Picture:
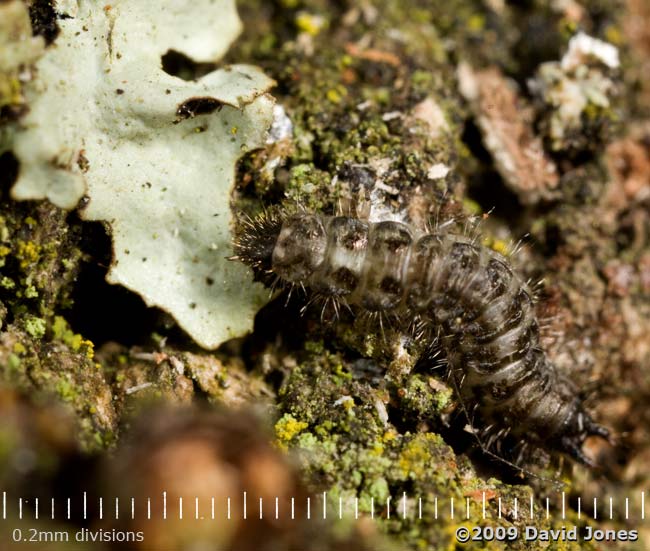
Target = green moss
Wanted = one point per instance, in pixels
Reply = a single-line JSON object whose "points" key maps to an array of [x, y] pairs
{"points": [[304, 186], [307, 441], [357, 456], [498, 245], [476, 23], [415, 458], [340, 376], [314, 347], [30, 291], [66, 390], [13, 362], [19, 348], [35, 327], [287, 428], [443, 399], [418, 399], [310, 23], [61, 331], [39, 257], [28, 253]]}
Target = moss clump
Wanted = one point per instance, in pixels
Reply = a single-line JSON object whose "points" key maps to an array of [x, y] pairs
{"points": [[61, 331], [304, 182], [359, 122], [415, 457], [66, 390], [35, 327], [422, 398], [287, 428], [13, 362], [40, 258], [310, 23], [350, 450]]}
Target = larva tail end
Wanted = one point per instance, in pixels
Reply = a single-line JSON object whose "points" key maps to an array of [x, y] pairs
{"points": [[255, 240]]}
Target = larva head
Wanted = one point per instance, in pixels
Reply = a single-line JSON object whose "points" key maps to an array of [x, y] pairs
{"points": [[577, 428], [300, 248]]}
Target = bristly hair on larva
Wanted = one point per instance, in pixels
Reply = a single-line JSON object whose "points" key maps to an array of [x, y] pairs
{"points": [[466, 294]]}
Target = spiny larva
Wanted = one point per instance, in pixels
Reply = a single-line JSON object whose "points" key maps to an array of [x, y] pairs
{"points": [[466, 293]]}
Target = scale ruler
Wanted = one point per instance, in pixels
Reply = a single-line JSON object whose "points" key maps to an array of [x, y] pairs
{"points": [[317, 506]]}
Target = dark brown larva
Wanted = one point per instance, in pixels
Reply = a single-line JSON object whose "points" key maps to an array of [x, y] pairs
{"points": [[467, 294]]}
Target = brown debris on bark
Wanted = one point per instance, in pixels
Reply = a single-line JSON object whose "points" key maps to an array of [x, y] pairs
{"points": [[506, 125]]}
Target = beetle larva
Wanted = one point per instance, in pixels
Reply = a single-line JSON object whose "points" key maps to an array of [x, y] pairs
{"points": [[462, 291]]}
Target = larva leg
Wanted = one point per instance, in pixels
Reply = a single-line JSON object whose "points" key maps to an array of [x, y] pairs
{"points": [[594, 429], [574, 450]]}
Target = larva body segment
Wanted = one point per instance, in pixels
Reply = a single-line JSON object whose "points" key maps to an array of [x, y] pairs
{"points": [[464, 292]]}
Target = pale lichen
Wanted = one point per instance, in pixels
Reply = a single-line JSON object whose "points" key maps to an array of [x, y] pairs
{"points": [[152, 154], [18, 50], [577, 94]]}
